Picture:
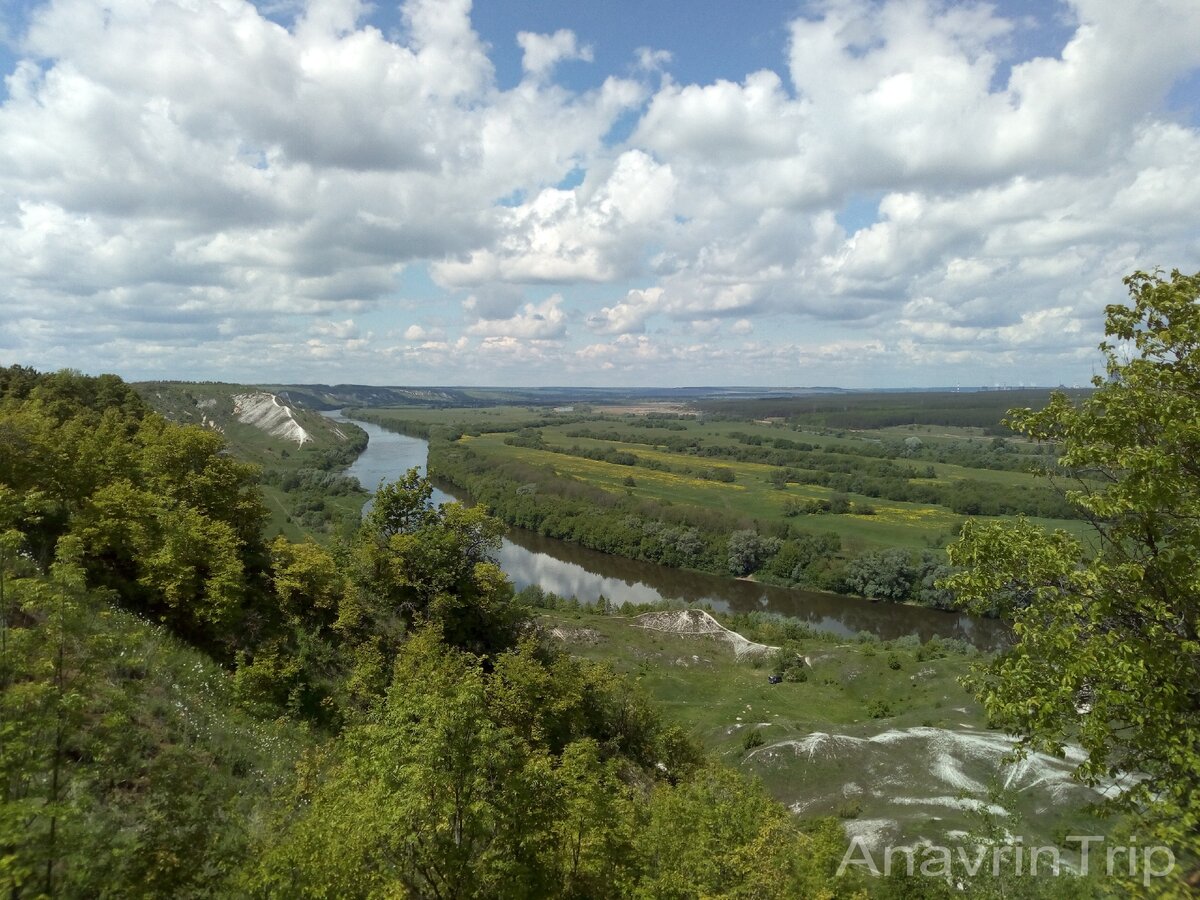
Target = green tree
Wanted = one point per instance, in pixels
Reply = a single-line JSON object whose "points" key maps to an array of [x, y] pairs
{"points": [[1107, 650], [48, 680], [416, 564], [402, 506], [747, 551], [720, 835], [596, 824], [883, 574], [439, 794]]}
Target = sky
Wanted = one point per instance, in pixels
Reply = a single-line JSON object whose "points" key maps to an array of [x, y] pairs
{"points": [[856, 193]]}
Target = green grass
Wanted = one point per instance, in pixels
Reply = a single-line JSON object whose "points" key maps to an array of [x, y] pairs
{"points": [[169, 780], [281, 520], [752, 496], [902, 738], [718, 436], [490, 418], [699, 684]]}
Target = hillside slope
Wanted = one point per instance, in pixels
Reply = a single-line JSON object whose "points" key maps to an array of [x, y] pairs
{"points": [[302, 453], [258, 424], [879, 734]]}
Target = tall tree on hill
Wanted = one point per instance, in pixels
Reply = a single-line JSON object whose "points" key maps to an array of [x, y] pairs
{"points": [[1107, 649]]}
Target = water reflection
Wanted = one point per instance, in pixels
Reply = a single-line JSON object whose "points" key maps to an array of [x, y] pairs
{"points": [[567, 579], [570, 570], [388, 456]]}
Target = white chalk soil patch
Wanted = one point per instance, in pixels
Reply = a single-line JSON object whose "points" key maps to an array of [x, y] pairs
{"points": [[266, 413], [873, 832], [698, 622], [589, 636], [911, 778]]}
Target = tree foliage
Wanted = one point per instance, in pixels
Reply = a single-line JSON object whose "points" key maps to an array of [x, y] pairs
{"points": [[450, 751], [1107, 649], [748, 551], [534, 779], [164, 517]]}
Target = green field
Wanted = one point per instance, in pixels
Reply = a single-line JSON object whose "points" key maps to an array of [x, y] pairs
{"points": [[752, 497], [670, 457]]}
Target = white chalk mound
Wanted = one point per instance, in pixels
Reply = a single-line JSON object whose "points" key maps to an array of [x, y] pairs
{"points": [[264, 411], [926, 784], [698, 622]]}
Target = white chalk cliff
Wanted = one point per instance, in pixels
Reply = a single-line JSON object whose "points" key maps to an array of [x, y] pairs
{"points": [[264, 411]]}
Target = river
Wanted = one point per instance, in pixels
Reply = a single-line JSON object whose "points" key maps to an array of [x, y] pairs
{"points": [[570, 570]]}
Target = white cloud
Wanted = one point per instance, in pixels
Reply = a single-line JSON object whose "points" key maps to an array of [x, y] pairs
{"points": [[542, 52], [995, 199], [651, 60], [598, 231], [629, 316], [191, 186], [343, 330], [540, 321], [494, 301], [425, 334], [209, 157]]}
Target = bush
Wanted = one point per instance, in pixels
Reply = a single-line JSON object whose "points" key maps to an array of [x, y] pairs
{"points": [[796, 674], [747, 551], [879, 709], [752, 739], [851, 809], [785, 658]]}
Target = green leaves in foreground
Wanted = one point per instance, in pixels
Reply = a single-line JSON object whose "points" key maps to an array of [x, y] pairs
{"points": [[1107, 650], [534, 779]]}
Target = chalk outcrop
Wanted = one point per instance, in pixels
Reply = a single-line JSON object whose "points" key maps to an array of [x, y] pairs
{"points": [[265, 412], [698, 622]]}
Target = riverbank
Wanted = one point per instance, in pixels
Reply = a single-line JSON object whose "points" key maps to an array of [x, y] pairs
{"points": [[571, 570], [878, 731]]}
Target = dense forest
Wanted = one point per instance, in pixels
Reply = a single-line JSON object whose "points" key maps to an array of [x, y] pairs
{"points": [[190, 710], [974, 408]]}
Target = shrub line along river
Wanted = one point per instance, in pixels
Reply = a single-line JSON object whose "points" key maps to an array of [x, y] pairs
{"points": [[571, 570]]}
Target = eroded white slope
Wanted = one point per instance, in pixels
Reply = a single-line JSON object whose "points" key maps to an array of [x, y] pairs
{"points": [[264, 411], [697, 621]]}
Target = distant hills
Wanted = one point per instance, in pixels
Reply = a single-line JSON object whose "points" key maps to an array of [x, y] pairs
{"points": [[323, 396], [307, 397]]}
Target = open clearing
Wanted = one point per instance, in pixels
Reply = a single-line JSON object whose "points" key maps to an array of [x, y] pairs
{"points": [[696, 623], [928, 769]]}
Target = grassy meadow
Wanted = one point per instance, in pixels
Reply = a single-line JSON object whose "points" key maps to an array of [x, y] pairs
{"points": [[674, 459], [879, 733]]}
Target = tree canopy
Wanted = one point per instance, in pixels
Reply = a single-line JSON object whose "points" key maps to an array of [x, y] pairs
{"points": [[1107, 647], [445, 748]]}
